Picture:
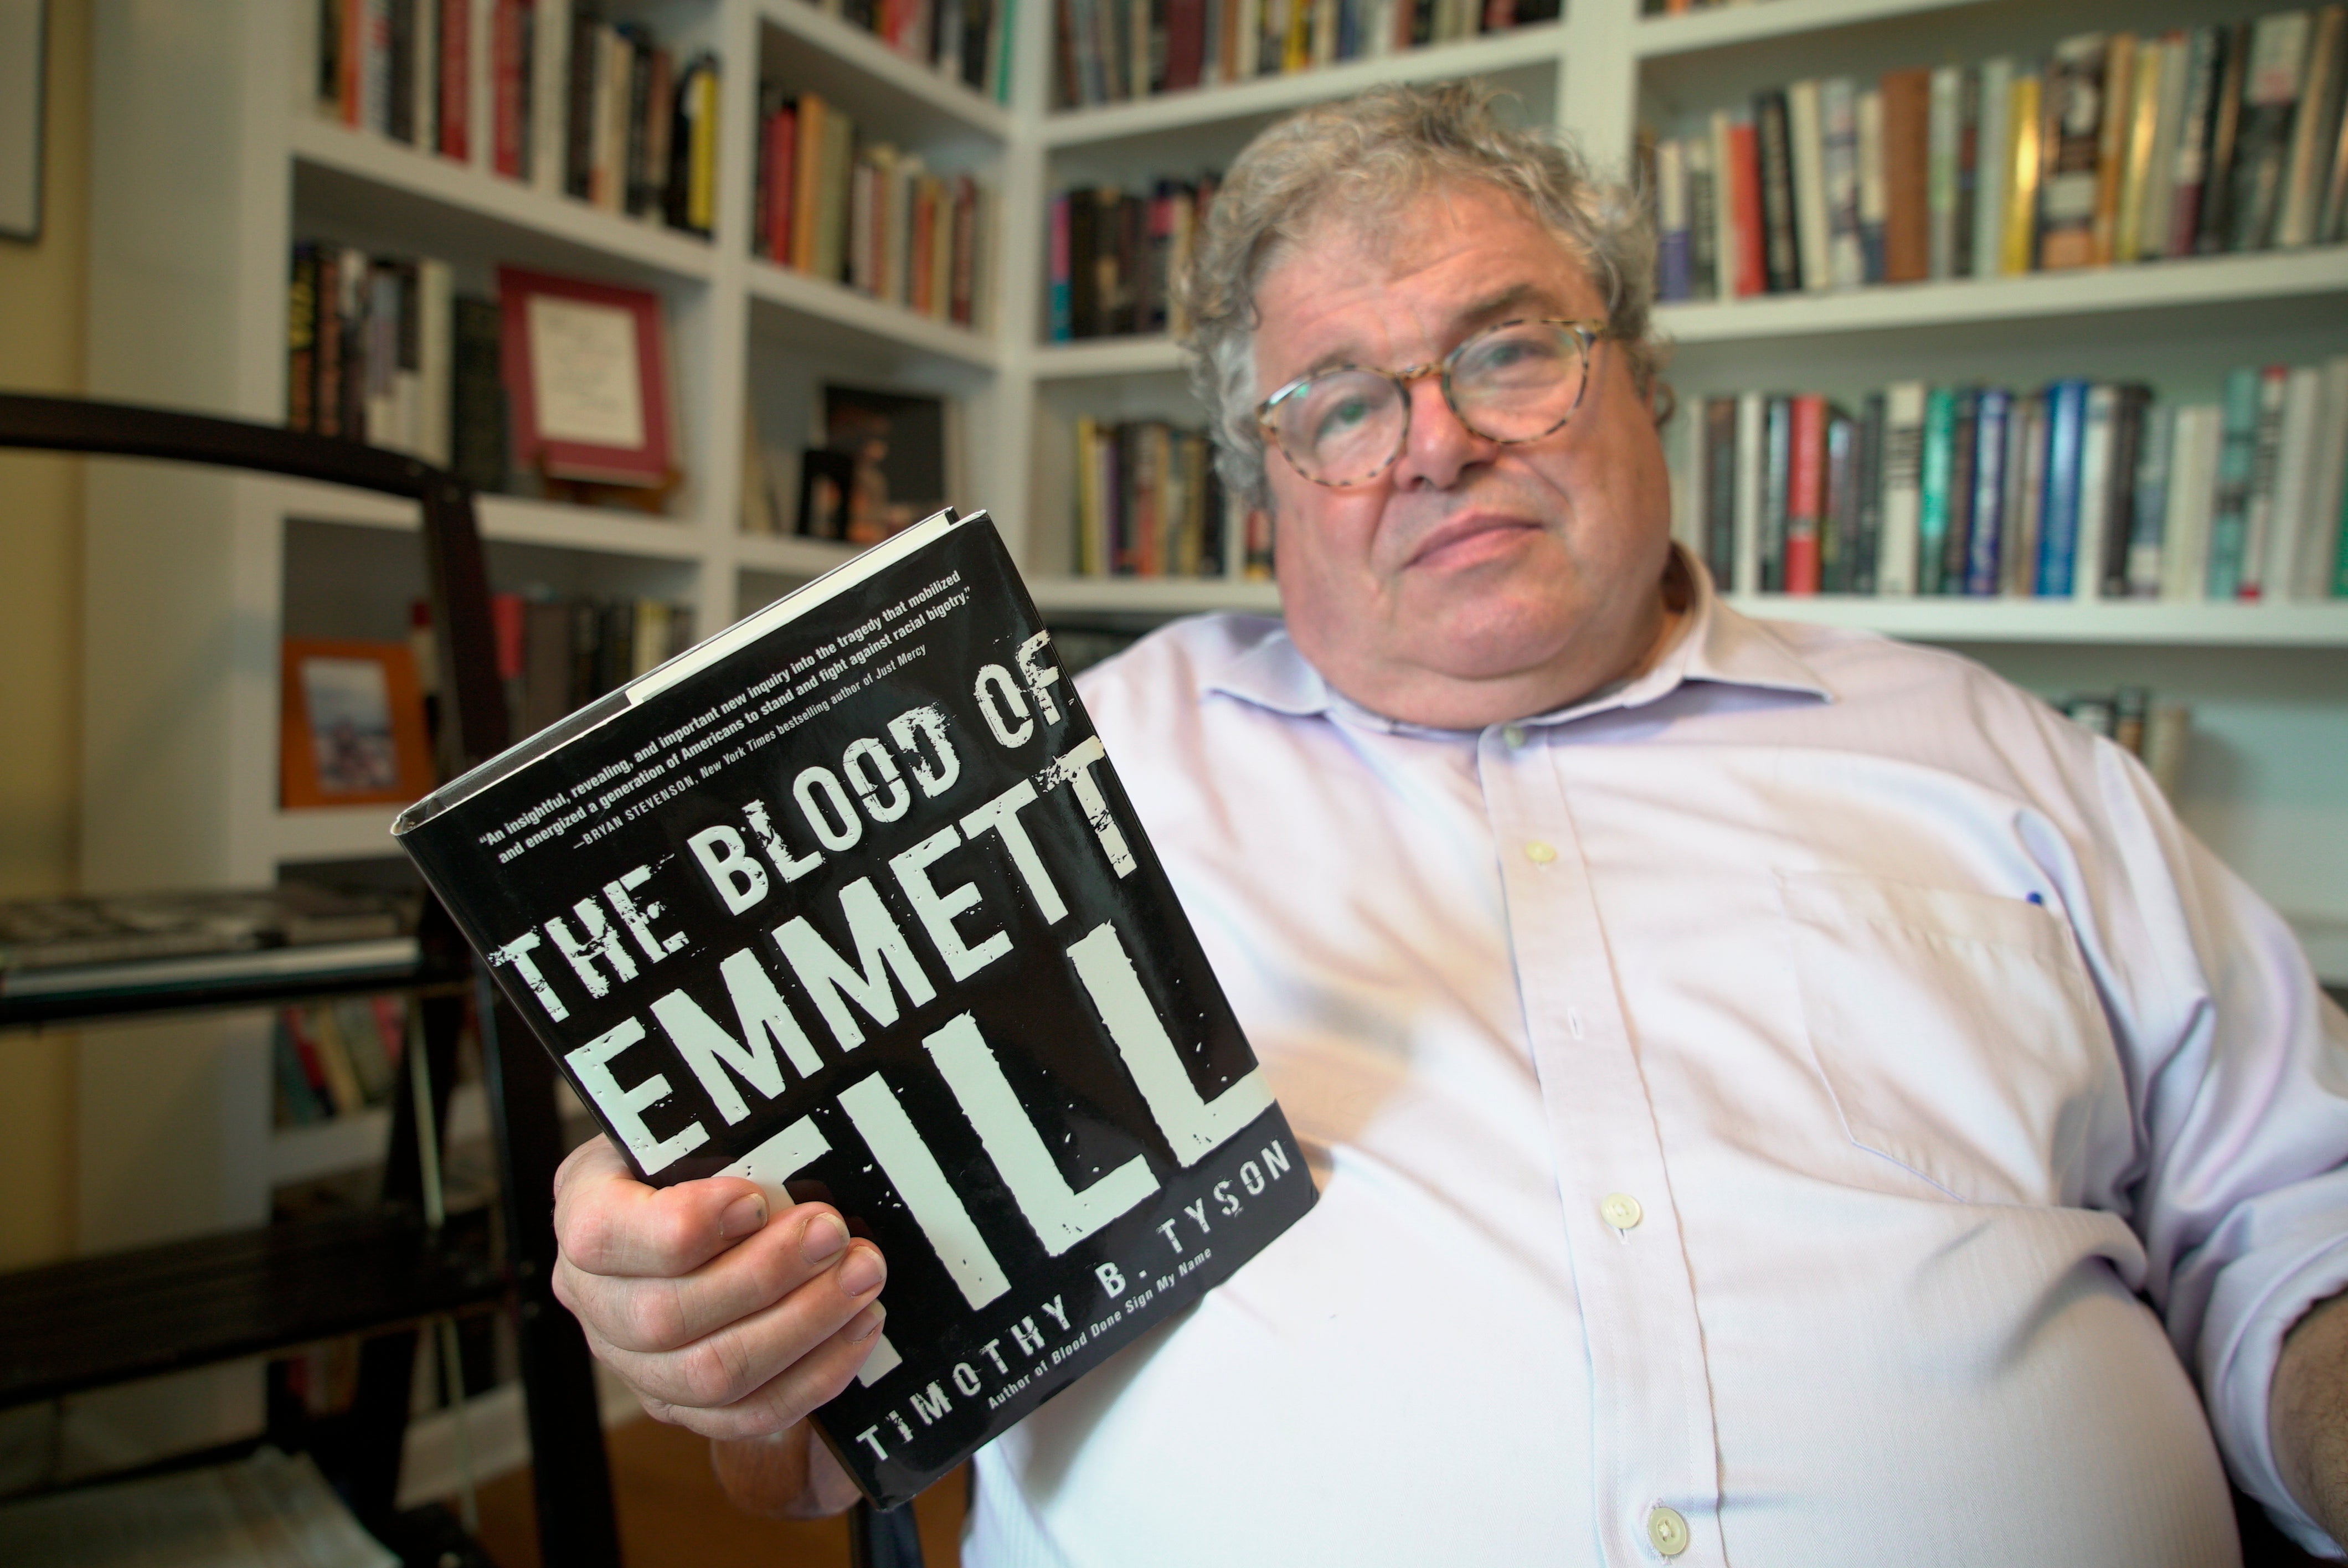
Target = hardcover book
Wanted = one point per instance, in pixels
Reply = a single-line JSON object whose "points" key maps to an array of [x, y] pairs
{"points": [[848, 901]]}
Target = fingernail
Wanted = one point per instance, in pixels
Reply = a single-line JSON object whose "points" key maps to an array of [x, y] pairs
{"points": [[867, 1322], [862, 1273], [742, 1216], [823, 1238]]}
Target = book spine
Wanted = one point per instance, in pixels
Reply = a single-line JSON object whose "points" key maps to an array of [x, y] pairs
{"points": [[1806, 486], [2095, 466], [1944, 126], [2331, 226], [1898, 548], [2155, 450], [2058, 511], [2202, 49], [1993, 166], [1873, 207], [1781, 248], [1752, 482], [1839, 114], [2294, 482], [1776, 475], [302, 341], [1907, 229], [1671, 223], [2112, 141], [1719, 469], [1867, 554], [2138, 133], [2214, 224], [2236, 465], [2025, 452], [1839, 526], [1986, 536], [1751, 246], [2128, 420], [2018, 249], [1060, 297], [1957, 540], [454, 86], [2199, 430], [1813, 223], [2330, 485], [2075, 111], [2316, 131], [2262, 140], [2160, 177], [1938, 473], [1704, 219], [2259, 514]]}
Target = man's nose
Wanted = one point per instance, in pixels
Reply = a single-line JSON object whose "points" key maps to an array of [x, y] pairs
{"points": [[1439, 447]]}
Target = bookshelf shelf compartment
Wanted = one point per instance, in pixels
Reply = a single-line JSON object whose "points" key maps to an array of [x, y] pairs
{"points": [[1148, 355], [871, 82], [810, 313], [504, 519], [790, 555], [2256, 281], [1533, 45], [354, 177]]}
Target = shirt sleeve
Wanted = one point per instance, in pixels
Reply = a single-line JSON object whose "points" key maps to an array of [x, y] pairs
{"points": [[2238, 1067]]}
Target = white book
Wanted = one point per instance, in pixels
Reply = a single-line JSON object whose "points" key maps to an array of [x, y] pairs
{"points": [[2294, 482], [1903, 489], [1991, 166], [2265, 471], [550, 93], [1839, 121], [1250, 40], [435, 349], [1944, 129], [2200, 431], [1874, 200], [2094, 490], [2160, 180], [2302, 190], [1723, 212], [1805, 131], [1752, 411], [2318, 552]]}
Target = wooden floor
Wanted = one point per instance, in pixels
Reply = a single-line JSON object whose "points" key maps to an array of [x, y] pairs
{"points": [[672, 1514]]}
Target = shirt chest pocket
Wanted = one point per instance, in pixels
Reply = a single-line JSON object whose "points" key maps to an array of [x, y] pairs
{"points": [[1957, 1032]]}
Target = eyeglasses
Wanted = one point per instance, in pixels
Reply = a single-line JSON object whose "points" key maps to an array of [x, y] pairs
{"points": [[1510, 384]]}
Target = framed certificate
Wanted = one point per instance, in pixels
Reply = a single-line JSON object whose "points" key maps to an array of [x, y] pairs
{"points": [[586, 376]]}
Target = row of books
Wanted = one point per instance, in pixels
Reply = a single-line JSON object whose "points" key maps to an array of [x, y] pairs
{"points": [[2079, 490], [865, 214], [556, 655], [967, 41], [1109, 51], [2116, 149], [1111, 257], [598, 110], [1150, 504], [2155, 733], [337, 1058], [379, 349]]}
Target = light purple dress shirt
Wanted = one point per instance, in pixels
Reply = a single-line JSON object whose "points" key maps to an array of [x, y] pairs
{"points": [[1753, 1108]]}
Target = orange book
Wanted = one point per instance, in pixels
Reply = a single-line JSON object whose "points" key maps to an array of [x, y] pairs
{"points": [[1906, 221], [2112, 142], [1806, 494], [807, 183]]}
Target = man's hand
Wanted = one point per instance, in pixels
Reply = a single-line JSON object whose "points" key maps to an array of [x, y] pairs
{"points": [[725, 1319], [2307, 1414]]}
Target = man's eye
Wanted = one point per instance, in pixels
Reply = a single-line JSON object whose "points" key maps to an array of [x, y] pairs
{"points": [[1340, 419]]}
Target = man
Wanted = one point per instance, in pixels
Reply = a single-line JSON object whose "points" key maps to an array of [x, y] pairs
{"points": [[1750, 1070]]}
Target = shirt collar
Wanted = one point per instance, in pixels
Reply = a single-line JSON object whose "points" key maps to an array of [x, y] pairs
{"points": [[1716, 644]]}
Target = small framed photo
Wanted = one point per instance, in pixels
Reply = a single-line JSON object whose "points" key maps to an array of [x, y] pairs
{"points": [[351, 718], [586, 378]]}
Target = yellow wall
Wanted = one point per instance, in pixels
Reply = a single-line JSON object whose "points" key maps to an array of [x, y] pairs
{"points": [[41, 300]]}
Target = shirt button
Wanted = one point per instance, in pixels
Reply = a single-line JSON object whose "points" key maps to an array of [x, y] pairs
{"points": [[1539, 853], [1667, 1529], [1621, 1211], [1514, 734]]}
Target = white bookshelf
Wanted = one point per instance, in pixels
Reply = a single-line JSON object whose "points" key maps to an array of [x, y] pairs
{"points": [[209, 160]]}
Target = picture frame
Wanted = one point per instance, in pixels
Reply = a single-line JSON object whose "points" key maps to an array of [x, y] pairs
{"points": [[352, 728], [585, 367]]}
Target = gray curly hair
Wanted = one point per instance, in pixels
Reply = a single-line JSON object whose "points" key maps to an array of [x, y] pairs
{"points": [[1366, 155]]}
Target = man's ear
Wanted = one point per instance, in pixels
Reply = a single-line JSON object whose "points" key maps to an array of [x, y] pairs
{"points": [[1663, 402]]}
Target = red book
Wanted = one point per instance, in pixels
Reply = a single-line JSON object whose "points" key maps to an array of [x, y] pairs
{"points": [[1744, 177], [506, 25], [1186, 43], [782, 168], [352, 65], [1806, 494], [455, 78], [508, 623]]}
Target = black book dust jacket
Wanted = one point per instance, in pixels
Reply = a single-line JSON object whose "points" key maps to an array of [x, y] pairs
{"points": [[849, 900]]}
